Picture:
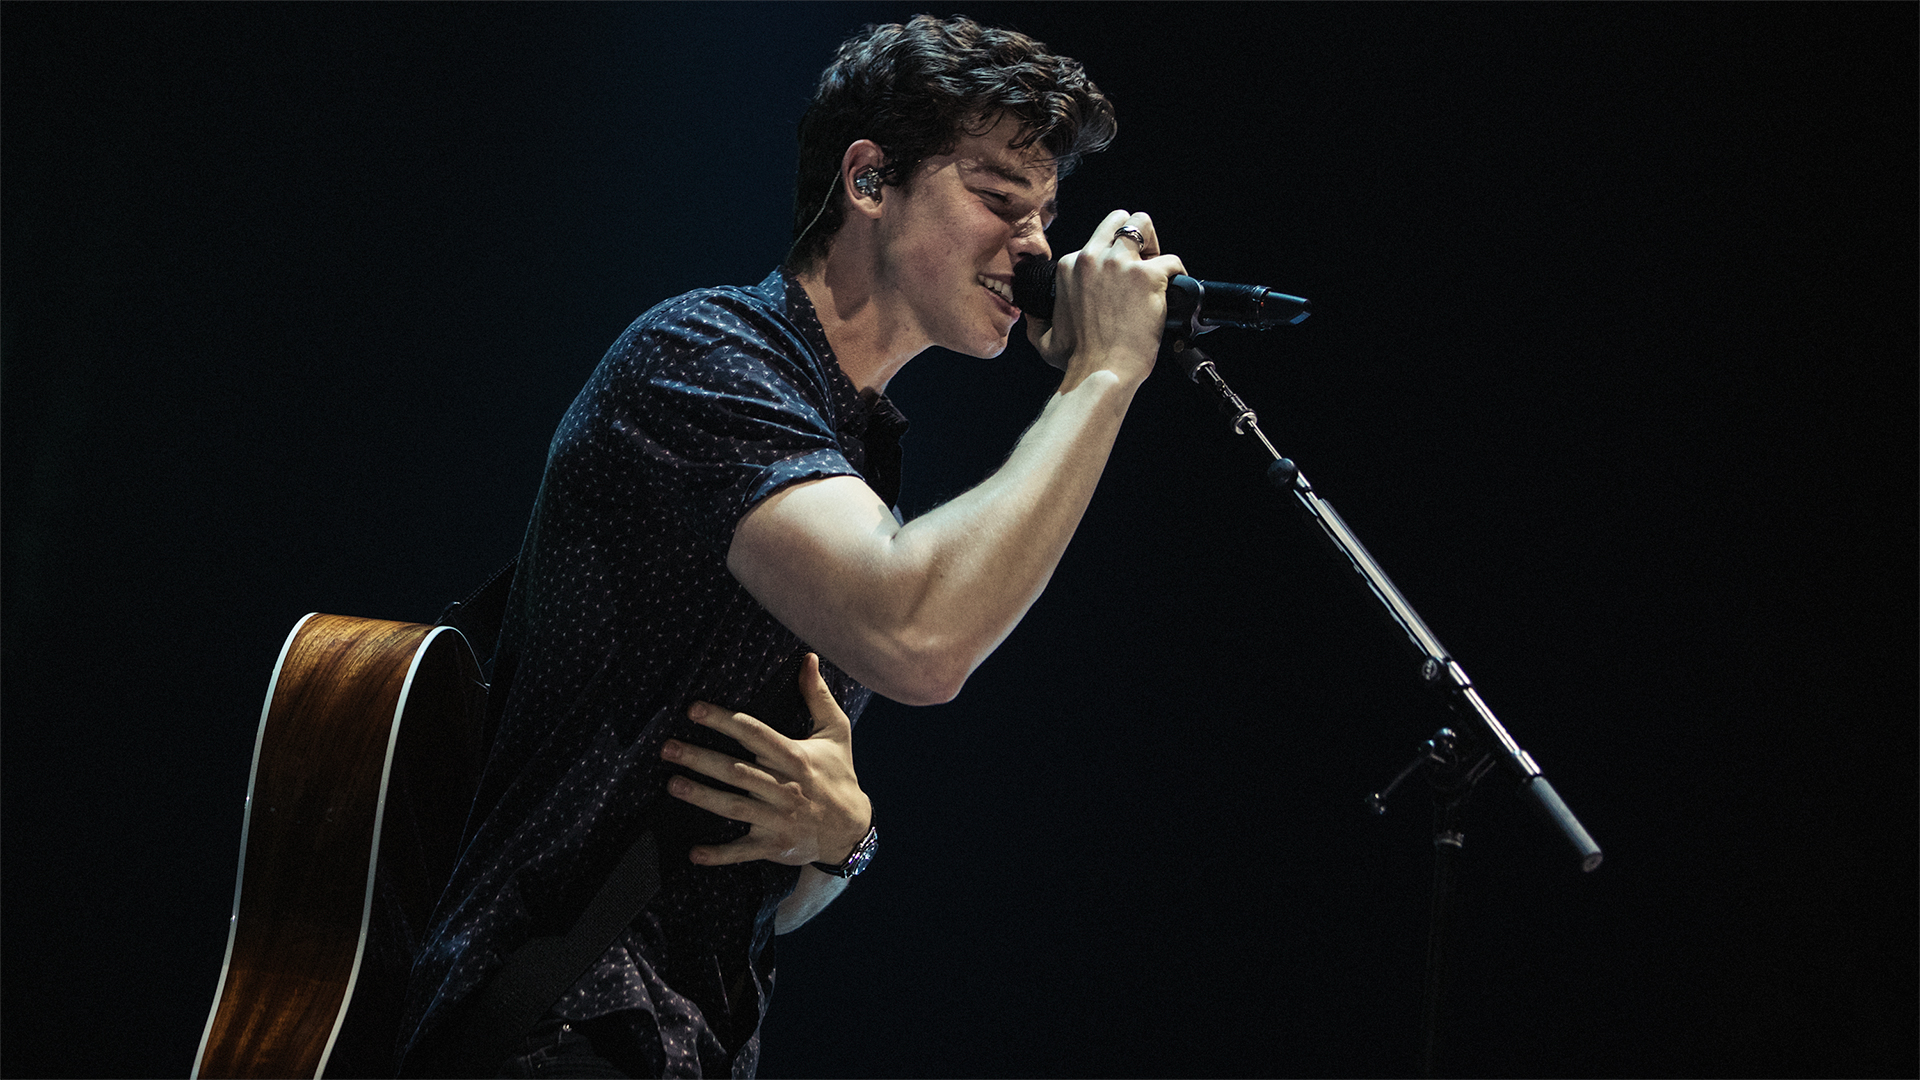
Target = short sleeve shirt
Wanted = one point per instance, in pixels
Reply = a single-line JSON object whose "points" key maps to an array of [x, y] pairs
{"points": [[621, 614]]}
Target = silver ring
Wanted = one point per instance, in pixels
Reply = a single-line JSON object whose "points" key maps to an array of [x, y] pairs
{"points": [[1130, 233]]}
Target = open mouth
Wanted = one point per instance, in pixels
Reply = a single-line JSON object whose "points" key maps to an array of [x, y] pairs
{"points": [[1001, 289]]}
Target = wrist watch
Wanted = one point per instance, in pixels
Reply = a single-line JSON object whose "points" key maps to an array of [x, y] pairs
{"points": [[856, 860]]}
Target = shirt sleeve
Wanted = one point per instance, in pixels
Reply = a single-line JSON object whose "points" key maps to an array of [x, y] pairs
{"points": [[725, 405]]}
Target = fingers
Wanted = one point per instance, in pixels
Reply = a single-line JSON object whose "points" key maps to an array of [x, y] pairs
{"points": [[769, 747], [1121, 238], [746, 849], [1108, 230], [781, 824], [1037, 334], [1112, 300], [1126, 233], [722, 767], [799, 798], [829, 719], [775, 754], [763, 800], [1137, 233]]}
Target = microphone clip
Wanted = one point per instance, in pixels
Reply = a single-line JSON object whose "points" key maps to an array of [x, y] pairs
{"points": [[1186, 297]]}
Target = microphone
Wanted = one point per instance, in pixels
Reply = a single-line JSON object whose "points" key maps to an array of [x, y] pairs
{"points": [[1193, 306]]}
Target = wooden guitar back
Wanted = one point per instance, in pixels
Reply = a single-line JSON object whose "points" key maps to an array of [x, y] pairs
{"points": [[364, 767]]}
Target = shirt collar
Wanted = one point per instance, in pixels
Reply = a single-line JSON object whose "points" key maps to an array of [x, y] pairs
{"points": [[868, 416], [870, 420]]}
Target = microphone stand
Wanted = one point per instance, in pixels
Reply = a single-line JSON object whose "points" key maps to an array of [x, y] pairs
{"points": [[1454, 764]]}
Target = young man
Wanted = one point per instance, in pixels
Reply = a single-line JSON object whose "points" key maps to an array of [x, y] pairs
{"points": [[717, 509]]}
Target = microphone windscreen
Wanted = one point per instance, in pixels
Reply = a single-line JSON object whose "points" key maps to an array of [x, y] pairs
{"points": [[1033, 287]]}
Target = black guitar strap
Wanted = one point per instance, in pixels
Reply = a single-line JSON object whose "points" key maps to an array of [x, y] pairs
{"points": [[492, 1025], [478, 616]]}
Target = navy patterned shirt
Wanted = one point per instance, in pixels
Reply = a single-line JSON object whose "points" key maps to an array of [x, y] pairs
{"points": [[621, 614]]}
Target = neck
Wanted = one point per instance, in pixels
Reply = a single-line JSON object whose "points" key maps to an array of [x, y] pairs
{"points": [[870, 341]]}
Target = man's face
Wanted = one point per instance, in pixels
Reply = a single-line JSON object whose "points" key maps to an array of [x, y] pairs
{"points": [[949, 242]]}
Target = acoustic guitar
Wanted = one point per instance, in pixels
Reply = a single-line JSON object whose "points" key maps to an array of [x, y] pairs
{"points": [[364, 766]]}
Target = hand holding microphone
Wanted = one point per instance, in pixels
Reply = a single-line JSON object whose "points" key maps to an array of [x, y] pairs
{"points": [[1114, 294]]}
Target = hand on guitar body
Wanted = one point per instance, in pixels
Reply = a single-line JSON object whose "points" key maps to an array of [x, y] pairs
{"points": [[802, 801]]}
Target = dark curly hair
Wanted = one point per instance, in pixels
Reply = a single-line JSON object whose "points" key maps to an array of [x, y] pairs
{"points": [[915, 89]]}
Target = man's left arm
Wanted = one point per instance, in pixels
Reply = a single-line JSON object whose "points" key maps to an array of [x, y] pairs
{"points": [[809, 898], [800, 797]]}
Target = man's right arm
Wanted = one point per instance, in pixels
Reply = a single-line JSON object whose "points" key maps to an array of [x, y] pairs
{"points": [[911, 610]]}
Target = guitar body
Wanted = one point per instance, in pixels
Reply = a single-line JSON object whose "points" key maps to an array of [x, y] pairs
{"points": [[363, 770]]}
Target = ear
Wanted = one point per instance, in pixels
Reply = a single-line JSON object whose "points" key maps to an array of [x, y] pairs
{"points": [[862, 155]]}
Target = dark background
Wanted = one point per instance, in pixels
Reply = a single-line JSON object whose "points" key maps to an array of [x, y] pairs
{"points": [[1612, 366]]}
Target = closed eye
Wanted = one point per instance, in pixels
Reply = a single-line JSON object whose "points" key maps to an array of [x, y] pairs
{"points": [[1013, 212]]}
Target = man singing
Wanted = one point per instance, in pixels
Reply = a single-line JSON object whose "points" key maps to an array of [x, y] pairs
{"points": [[717, 511]]}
